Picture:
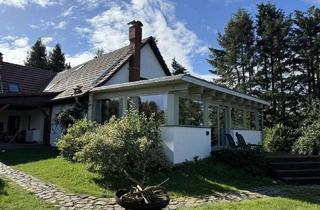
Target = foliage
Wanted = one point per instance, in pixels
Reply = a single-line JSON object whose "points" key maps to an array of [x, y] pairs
{"points": [[309, 142], [129, 146], [275, 57], [57, 59], [234, 63], [70, 115], [178, 68], [72, 142], [252, 161], [99, 52], [37, 56], [279, 138]]}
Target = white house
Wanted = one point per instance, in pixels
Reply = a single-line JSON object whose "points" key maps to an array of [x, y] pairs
{"points": [[196, 114]]}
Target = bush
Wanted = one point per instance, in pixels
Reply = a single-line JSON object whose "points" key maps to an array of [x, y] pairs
{"points": [[130, 146], [252, 161], [73, 141], [309, 142], [279, 138]]}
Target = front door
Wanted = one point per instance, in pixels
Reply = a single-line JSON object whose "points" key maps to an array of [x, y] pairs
{"points": [[13, 124]]}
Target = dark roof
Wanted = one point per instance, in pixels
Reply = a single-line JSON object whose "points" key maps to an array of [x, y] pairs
{"points": [[29, 79], [96, 71]]}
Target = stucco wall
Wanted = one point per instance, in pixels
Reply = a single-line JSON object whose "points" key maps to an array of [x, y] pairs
{"points": [[150, 68], [184, 143], [29, 120], [250, 136], [56, 129]]}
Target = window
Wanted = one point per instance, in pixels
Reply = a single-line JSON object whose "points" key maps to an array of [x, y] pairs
{"points": [[151, 104], [190, 112], [111, 107], [13, 88]]}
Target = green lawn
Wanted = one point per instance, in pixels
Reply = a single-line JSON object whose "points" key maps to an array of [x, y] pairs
{"points": [[12, 197], [203, 177], [277, 203]]}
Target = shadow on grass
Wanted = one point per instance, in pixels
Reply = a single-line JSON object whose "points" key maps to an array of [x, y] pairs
{"points": [[20, 156], [2, 186], [198, 178]]}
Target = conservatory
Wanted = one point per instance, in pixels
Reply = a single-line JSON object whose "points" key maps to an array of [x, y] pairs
{"points": [[195, 114]]}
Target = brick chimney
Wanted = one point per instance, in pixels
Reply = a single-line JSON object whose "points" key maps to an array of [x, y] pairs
{"points": [[135, 37]]}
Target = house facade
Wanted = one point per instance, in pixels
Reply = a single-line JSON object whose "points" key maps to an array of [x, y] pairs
{"points": [[195, 114]]}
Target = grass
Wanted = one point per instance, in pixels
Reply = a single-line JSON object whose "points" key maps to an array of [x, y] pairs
{"points": [[12, 197], [276, 203], [203, 177]]}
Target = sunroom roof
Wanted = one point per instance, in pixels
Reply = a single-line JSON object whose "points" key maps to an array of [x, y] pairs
{"points": [[177, 79]]}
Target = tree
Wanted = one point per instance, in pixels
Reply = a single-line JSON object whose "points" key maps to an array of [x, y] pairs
{"points": [[234, 62], [57, 59], [99, 52], [178, 68], [273, 58], [37, 56]]}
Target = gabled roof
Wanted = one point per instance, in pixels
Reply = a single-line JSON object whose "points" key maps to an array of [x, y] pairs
{"points": [[97, 71], [30, 80]]}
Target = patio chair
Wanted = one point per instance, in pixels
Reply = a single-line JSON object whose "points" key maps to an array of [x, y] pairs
{"points": [[12, 138], [231, 142], [242, 143]]}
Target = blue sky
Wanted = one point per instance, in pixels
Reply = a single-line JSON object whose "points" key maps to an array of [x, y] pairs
{"points": [[184, 28]]}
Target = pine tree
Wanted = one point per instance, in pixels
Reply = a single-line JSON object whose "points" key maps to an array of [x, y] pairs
{"points": [[178, 68], [234, 62], [37, 56], [273, 57], [57, 59]]}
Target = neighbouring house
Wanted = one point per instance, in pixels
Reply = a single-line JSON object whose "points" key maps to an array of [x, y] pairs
{"points": [[196, 114]]}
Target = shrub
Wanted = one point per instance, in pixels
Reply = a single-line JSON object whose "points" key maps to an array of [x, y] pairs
{"points": [[69, 116], [130, 146], [279, 138], [309, 142], [252, 161], [73, 141]]}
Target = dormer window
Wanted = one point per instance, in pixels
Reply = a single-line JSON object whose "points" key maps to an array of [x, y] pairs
{"points": [[13, 88]]}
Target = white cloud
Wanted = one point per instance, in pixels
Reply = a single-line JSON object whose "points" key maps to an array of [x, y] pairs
{"points": [[109, 29], [46, 40], [68, 12], [14, 48], [22, 3], [46, 24], [60, 25], [79, 58]]}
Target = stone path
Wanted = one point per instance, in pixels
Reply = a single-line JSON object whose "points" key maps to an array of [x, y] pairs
{"points": [[63, 200]]}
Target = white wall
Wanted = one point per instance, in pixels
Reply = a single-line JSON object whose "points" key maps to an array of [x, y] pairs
{"points": [[150, 68], [36, 122], [121, 76], [184, 143], [250, 136], [56, 129]]}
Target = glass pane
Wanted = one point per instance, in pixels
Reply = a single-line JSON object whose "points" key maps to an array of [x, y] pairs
{"points": [[222, 125], [154, 104], [111, 107], [213, 123], [190, 112], [13, 88]]}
